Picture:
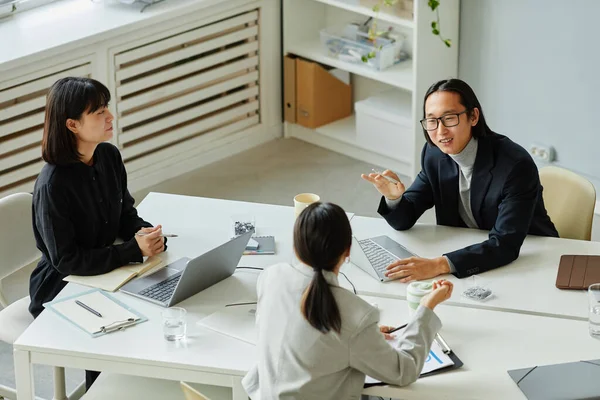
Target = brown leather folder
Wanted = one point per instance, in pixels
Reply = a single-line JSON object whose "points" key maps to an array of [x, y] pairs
{"points": [[578, 271]]}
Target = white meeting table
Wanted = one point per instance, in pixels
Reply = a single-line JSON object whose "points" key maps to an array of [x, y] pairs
{"points": [[211, 358], [527, 285]]}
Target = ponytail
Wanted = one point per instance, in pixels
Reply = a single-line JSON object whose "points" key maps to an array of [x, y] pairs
{"points": [[319, 306], [322, 235]]}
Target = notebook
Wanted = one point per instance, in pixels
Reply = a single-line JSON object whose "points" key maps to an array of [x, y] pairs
{"points": [[113, 280], [238, 322], [578, 271], [115, 315], [568, 381], [266, 245]]}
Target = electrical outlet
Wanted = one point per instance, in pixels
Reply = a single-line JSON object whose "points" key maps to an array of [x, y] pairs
{"points": [[542, 152]]}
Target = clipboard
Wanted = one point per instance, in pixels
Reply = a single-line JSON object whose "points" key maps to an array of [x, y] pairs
{"points": [[457, 364], [116, 315]]}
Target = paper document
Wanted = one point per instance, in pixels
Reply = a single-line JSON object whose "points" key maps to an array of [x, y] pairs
{"points": [[116, 278], [113, 313], [238, 322], [436, 359]]}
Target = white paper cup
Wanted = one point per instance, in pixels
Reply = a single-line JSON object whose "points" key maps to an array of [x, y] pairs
{"points": [[303, 200], [415, 292]]}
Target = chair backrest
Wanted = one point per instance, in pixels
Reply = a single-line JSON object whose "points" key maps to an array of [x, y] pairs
{"points": [[570, 200], [17, 243], [190, 393]]}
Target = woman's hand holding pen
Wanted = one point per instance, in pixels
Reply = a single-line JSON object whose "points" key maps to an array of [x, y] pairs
{"points": [[152, 242], [387, 183], [442, 291]]}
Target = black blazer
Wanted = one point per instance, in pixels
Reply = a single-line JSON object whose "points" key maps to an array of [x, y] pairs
{"points": [[506, 199]]}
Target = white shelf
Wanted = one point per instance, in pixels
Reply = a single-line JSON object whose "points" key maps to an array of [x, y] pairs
{"points": [[340, 136], [399, 75], [392, 19]]}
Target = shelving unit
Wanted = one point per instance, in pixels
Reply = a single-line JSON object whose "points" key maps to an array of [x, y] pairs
{"points": [[430, 61]]}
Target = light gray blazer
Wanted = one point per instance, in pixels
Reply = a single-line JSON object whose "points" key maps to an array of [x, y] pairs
{"points": [[296, 361]]}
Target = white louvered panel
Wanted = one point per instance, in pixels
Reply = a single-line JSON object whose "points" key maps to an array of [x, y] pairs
{"points": [[22, 124], [29, 171], [22, 103], [193, 97], [187, 52], [177, 40], [21, 141], [190, 88], [202, 140], [186, 69], [20, 158], [195, 128], [22, 108], [187, 115], [26, 187], [183, 85], [42, 84]]}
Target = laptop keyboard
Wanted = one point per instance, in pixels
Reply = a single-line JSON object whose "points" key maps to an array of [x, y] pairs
{"points": [[379, 257], [162, 291]]}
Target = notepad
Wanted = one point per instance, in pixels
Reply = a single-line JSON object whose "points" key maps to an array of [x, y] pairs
{"points": [[113, 280], [266, 245], [115, 315]]}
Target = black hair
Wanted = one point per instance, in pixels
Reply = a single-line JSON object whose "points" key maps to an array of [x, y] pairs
{"points": [[322, 235], [69, 98], [467, 99]]}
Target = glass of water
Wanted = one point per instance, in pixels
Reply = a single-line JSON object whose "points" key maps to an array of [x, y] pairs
{"points": [[174, 323], [594, 299]]}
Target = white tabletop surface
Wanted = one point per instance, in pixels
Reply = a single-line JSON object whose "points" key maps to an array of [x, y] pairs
{"points": [[526, 285], [488, 342]]}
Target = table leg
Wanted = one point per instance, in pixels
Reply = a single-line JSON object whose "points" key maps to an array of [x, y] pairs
{"points": [[60, 386], [24, 375], [238, 392]]}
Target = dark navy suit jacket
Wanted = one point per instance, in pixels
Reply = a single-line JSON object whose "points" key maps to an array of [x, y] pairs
{"points": [[506, 199]]}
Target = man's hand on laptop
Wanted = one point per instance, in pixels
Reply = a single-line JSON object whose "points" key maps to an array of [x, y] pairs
{"points": [[417, 268]]}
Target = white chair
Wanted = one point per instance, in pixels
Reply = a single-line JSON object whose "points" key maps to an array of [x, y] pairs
{"points": [[17, 246], [570, 200], [126, 387]]}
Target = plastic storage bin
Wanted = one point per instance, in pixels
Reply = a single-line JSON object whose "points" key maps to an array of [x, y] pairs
{"points": [[384, 125], [350, 45]]}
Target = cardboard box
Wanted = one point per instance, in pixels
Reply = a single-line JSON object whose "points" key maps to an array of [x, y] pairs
{"points": [[321, 98], [289, 88]]}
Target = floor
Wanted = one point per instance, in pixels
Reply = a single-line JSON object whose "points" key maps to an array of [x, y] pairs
{"points": [[273, 173]]}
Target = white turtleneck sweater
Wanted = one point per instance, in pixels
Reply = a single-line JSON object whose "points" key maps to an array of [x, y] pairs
{"points": [[466, 161]]}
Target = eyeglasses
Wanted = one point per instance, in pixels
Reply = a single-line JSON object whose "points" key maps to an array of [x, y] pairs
{"points": [[448, 120]]}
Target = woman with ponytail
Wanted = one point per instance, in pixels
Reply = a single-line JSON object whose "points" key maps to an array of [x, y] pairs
{"points": [[317, 340]]}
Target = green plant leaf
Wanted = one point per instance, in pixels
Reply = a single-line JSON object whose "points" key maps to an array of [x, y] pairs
{"points": [[372, 54], [364, 59], [433, 25], [448, 42], [433, 4], [435, 31], [376, 8]]}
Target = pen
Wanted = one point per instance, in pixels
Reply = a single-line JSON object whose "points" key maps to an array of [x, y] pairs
{"points": [[386, 177], [90, 309], [240, 304], [445, 348], [398, 328], [163, 235]]}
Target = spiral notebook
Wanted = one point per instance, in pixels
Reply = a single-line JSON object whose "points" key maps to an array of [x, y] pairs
{"points": [[266, 245]]}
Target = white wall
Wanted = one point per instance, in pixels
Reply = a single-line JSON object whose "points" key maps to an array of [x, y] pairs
{"points": [[535, 66]]}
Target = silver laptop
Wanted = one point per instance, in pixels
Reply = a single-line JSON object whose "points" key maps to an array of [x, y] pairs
{"points": [[184, 277], [373, 255]]}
